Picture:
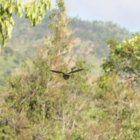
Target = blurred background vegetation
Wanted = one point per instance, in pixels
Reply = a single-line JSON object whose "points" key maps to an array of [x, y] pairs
{"points": [[99, 103]]}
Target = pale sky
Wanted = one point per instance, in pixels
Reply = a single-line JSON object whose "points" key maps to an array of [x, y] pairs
{"points": [[125, 13]]}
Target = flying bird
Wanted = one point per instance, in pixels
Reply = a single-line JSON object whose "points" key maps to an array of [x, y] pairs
{"points": [[66, 75]]}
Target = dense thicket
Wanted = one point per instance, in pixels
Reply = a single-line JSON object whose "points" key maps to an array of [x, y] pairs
{"points": [[40, 105], [36, 104], [118, 91]]}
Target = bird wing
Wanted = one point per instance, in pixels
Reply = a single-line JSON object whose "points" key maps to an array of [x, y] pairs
{"points": [[56, 71], [75, 71]]}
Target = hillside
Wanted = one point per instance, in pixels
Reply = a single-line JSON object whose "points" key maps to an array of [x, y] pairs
{"points": [[90, 41], [98, 33]]}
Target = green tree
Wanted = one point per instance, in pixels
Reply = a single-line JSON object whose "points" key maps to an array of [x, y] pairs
{"points": [[124, 60], [33, 10], [43, 105], [118, 92]]}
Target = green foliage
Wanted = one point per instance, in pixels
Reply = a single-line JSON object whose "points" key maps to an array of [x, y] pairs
{"points": [[38, 104], [119, 107], [42, 105], [34, 11], [117, 94], [124, 59]]}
